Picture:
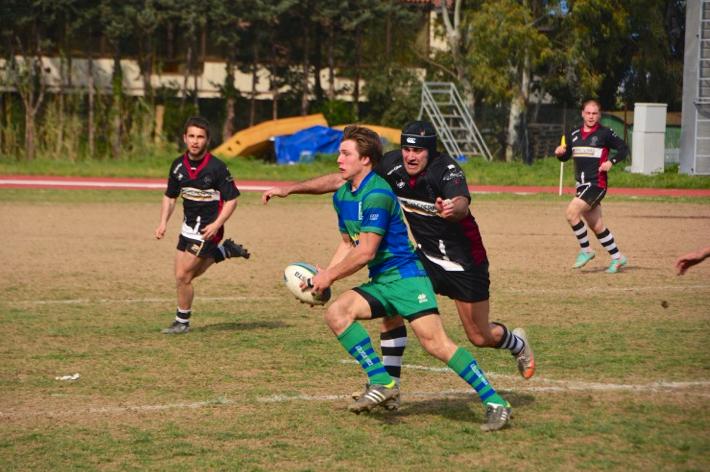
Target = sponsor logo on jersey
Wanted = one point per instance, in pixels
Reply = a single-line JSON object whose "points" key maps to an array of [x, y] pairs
{"points": [[453, 175], [422, 298], [587, 151], [199, 195], [417, 206], [401, 184], [207, 180], [397, 167], [374, 217]]}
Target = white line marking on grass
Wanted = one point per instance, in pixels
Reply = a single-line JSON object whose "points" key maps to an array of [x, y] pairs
{"points": [[89, 301], [560, 386], [119, 409]]}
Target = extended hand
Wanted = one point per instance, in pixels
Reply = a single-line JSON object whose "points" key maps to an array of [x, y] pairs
{"points": [[273, 192], [605, 166], [159, 232], [445, 208], [209, 231]]}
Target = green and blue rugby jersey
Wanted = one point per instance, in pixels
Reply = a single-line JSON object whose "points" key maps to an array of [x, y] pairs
{"points": [[373, 208]]}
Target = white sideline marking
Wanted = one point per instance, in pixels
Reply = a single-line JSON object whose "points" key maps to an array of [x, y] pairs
{"points": [[88, 301], [536, 385]]}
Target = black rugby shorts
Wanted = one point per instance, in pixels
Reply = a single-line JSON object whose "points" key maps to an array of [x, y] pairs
{"points": [[591, 194], [470, 285]]}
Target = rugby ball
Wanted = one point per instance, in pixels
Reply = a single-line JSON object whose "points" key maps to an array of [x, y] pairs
{"points": [[300, 272]]}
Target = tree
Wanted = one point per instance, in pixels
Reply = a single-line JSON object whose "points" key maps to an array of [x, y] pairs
{"points": [[507, 46], [117, 27], [26, 41], [229, 23]]}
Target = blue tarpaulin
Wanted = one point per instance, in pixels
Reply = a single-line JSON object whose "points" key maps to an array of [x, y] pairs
{"points": [[305, 144]]}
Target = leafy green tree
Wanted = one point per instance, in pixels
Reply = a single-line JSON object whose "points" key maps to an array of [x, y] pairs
{"points": [[26, 38], [507, 47]]}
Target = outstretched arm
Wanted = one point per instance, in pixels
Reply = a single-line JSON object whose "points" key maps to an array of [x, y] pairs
{"points": [[315, 186], [683, 263]]}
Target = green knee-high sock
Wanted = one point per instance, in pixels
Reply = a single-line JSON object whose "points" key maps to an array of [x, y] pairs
{"points": [[357, 342], [463, 363]]}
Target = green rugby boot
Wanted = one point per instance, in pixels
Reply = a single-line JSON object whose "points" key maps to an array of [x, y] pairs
{"points": [[582, 259], [617, 264]]}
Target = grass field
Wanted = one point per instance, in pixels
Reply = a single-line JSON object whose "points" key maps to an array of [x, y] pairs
{"points": [[261, 384]]}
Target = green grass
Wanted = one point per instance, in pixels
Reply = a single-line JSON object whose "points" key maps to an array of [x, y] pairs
{"points": [[84, 288], [544, 172]]}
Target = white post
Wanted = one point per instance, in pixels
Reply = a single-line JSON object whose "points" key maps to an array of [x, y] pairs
{"points": [[562, 170]]}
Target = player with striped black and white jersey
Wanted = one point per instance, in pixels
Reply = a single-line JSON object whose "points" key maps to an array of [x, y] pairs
{"points": [[209, 197], [590, 146], [432, 190]]}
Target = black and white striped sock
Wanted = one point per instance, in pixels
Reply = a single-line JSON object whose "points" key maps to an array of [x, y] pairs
{"points": [[580, 230], [510, 341], [393, 343], [607, 240], [183, 316]]}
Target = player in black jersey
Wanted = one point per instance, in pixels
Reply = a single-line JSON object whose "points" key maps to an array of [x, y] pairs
{"points": [[209, 199], [589, 146], [434, 195]]}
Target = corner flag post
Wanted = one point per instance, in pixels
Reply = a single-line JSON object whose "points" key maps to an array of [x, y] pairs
{"points": [[562, 165]]}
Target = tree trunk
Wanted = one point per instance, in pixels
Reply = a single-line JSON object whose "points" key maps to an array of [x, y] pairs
{"points": [[274, 98], [516, 121], [60, 119], [254, 82], [29, 134], [317, 66], [186, 76], [196, 94], [331, 62], [228, 128], [306, 71], [159, 120], [117, 105], [356, 87], [453, 38], [274, 84], [90, 124]]}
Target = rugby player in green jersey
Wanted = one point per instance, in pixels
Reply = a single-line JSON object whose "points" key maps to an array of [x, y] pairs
{"points": [[374, 234]]}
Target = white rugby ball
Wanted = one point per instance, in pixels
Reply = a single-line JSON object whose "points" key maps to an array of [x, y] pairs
{"points": [[300, 272]]}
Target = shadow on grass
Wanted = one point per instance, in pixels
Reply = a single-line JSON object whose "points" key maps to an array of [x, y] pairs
{"points": [[462, 407], [241, 326]]}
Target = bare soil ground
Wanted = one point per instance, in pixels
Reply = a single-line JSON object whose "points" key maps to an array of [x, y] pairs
{"points": [[85, 288]]}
